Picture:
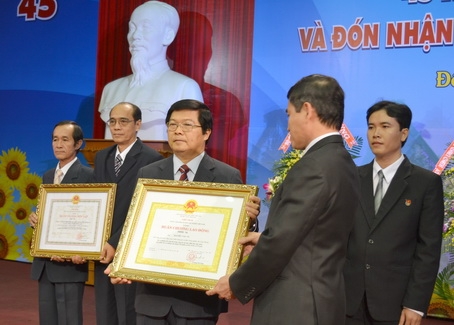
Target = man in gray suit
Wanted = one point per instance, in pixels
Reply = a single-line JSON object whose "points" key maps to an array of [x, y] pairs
{"points": [[294, 272], [394, 248], [119, 164], [62, 282], [189, 124]]}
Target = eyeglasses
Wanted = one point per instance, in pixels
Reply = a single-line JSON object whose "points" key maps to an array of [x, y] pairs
{"points": [[121, 121], [185, 127]]}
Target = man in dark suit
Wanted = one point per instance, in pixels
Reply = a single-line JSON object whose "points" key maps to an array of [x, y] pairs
{"points": [[119, 164], [62, 282], [189, 124], [294, 272], [394, 247]]}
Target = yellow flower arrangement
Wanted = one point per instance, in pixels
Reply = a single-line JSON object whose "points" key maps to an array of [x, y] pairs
{"points": [[6, 195], [280, 169], [13, 164], [29, 186], [8, 240], [20, 212], [19, 191], [448, 227]]}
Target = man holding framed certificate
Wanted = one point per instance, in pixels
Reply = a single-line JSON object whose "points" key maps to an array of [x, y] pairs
{"points": [[62, 281], [189, 124], [119, 164]]}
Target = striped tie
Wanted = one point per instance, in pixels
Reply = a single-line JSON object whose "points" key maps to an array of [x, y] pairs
{"points": [[118, 162], [58, 176], [184, 172]]}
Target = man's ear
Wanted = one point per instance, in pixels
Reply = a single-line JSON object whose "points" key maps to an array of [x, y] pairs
{"points": [[404, 134], [79, 144], [309, 109], [169, 36]]}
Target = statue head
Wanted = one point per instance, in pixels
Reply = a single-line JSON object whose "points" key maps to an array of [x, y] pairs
{"points": [[152, 28]]}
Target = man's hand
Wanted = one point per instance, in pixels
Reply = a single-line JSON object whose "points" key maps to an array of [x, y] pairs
{"points": [[55, 258], [253, 207], [249, 242], [107, 254], [222, 289], [33, 219], [76, 259], [116, 280], [409, 317]]}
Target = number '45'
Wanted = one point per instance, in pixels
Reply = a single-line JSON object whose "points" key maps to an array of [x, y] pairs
{"points": [[37, 9]]}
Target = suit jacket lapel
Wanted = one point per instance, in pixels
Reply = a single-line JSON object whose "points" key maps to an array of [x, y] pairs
{"points": [[72, 173], [205, 171], [394, 192], [367, 192], [129, 162], [166, 167]]}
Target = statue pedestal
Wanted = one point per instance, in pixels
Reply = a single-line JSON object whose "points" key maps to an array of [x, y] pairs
{"points": [[92, 146]]}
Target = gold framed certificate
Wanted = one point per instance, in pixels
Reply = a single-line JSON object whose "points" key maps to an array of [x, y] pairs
{"points": [[73, 219], [183, 234]]}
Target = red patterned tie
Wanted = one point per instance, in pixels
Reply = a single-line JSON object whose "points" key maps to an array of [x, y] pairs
{"points": [[184, 172]]}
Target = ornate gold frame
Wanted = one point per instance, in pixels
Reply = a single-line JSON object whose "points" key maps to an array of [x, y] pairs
{"points": [[73, 219], [183, 234]]}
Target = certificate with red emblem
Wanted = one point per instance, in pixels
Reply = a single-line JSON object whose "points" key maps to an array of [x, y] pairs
{"points": [[183, 233], [73, 219]]}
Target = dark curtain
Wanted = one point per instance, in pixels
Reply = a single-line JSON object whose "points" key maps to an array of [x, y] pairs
{"points": [[213, 46]]}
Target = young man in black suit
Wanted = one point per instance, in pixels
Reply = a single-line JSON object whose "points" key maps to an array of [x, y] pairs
{"points": [[62, 282], [119, 164], [394, 248]]}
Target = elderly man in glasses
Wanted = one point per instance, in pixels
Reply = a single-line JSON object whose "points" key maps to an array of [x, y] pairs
{"points": [[119, 164]]}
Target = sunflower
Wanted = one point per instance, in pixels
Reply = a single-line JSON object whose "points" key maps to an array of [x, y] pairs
{"points": [[8, 240], [29, 187], [13, 164], [6, 195], [20, 212], [26, 244]]}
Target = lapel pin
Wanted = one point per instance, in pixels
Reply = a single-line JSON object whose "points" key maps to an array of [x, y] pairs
{"points": [[407, 202]]}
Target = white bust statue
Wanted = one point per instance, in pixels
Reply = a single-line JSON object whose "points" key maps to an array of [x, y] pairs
{"points": [[153, 86]]}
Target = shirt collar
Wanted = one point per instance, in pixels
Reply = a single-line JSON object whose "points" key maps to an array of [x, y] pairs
{"points": [[66, 167], [390, 171], [193, 166], [317, 139], [124, 152]]}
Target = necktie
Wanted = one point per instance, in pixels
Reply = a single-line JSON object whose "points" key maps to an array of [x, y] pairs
{"points": [[58, 176], [118, 162], [184, 172], [378, 191]]}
